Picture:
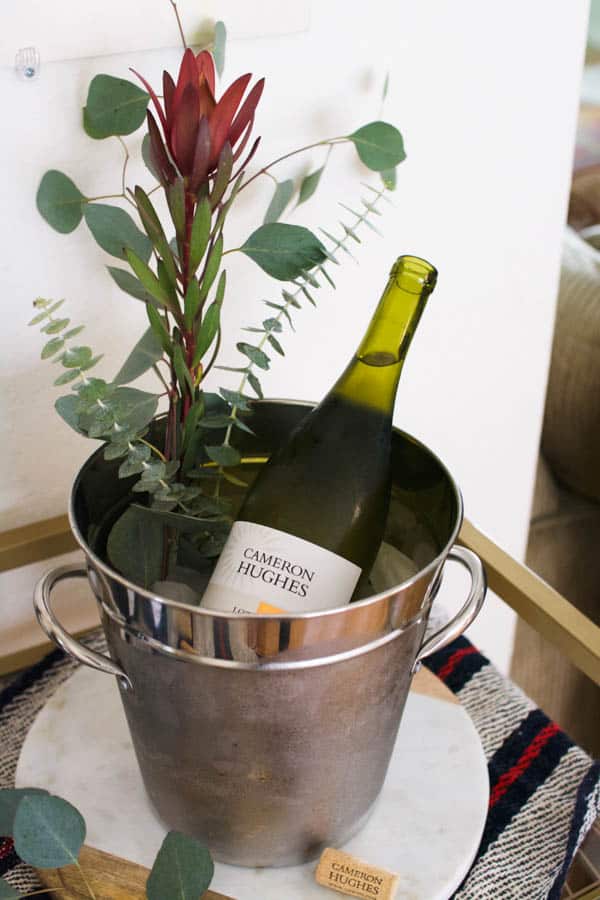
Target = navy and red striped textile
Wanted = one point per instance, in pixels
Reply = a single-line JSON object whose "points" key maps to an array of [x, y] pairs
{"points": [[528, 756], [544, 790]]}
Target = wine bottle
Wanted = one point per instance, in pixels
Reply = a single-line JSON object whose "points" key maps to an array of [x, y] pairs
{"points": [[313, 521]]}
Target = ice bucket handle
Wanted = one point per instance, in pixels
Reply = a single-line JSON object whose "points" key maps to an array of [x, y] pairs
{"points": [[56, 633], [468, 611]]}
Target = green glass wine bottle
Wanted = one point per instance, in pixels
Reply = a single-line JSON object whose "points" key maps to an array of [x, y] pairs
{"points": [[313, 521]]}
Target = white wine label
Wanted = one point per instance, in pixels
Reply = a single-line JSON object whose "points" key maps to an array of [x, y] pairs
{"points": [[348, 875], [261, 568]]}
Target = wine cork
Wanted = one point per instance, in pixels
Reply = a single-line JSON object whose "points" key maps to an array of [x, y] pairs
{"points": [[355, 878]]}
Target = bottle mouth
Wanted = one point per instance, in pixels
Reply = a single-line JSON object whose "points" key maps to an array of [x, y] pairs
{"points": [[414, 274]]}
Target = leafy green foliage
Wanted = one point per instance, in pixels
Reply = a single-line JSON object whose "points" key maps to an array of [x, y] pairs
{"points": [[60, 202], [114, 230], [389, 178], [254, 354], [279, 201], [149, 281], [379, 145], [219, 46], [130, 284], [114, 107], [135, 546], [200, 235], [48, 832], [284, 251], [183, 869], [224, 455], [309, 185], [144, 355], [9, 802]]}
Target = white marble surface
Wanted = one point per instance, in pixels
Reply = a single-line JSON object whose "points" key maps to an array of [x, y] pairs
{"points": [[426, 826]]}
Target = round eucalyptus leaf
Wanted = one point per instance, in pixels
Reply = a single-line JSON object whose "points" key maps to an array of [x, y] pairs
{"points": [[284, 251], [223, 455], [182, 870], [9, 801], [254, 354], [114, 229], [60, 202], [379, 145], [114, 106], [48, 832]]}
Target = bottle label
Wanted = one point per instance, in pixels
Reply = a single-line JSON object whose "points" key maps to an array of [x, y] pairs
{"points": [[261, 568]]}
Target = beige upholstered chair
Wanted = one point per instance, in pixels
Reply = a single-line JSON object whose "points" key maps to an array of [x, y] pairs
{"points": [[564, 539]]}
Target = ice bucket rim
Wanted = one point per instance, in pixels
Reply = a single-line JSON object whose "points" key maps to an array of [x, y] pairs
{"points": [[373, 600]]}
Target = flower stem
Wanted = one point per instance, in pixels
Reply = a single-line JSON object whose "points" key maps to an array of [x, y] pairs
{"points": [[179, 25]]}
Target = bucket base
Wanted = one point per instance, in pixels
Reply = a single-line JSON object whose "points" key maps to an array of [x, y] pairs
{"points": [[426, 825]]}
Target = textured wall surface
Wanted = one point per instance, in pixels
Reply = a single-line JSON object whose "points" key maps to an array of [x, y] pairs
{"points": [[487, 103]]}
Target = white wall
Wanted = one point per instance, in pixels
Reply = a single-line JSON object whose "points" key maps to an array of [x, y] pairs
{"points": [[486, 97]]}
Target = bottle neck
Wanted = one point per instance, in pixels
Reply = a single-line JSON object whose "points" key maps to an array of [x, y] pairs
{"points": [[371, 378]]}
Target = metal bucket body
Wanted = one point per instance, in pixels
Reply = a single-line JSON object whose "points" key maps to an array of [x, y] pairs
{"points": [[268, 737]]}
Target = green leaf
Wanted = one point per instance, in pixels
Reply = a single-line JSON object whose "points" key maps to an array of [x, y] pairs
{"points": [[9, 801], [155, 232], [389, 179], [60, 202], [224, 455], [275, 344], [379, 145], [219, 46], [176, 201], [73, 331], [146, 156], [283, 310], [55, 326], [159, 329], [66, 377], [183, 523], [135, 547], [114, 106], [254, 354], [181, 370], [52, 347], [222, 176], [114, 230], [76, 357], [7, 891], [137, 456], [148, 279], [48, 832], [272, 325], [279, 201], [183, 869], [255, 385], [284, 251], [200, 235], [208, 330], [309, 185], [144, 355], [67, 408], [386, 86], [236, 399], [192, 302], [130, 284], [212, 267], [135, 408], [191, 423]]}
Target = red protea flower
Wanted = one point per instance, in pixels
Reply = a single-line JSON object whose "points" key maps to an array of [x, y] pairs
{"points": [[197, 127]]}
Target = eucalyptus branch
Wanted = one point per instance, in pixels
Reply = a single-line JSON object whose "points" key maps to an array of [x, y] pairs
{"points": [[265, 169]]}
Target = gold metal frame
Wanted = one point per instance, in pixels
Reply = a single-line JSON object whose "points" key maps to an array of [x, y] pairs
{"points": [[576, 636]]}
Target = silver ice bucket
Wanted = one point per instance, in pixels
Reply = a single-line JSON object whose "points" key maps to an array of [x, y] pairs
{"points": [[268, 737]]}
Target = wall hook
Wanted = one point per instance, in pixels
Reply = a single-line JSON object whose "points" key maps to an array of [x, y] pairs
{"points": [[27, 63]]}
